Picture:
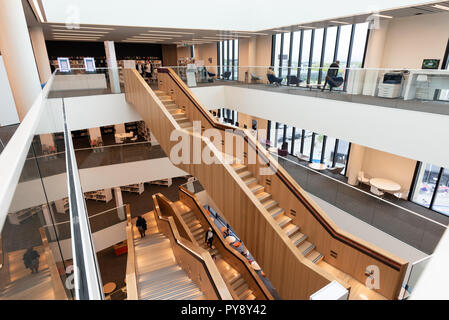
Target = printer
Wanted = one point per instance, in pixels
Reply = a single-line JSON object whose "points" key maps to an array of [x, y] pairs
{"points": [[390, 85]]}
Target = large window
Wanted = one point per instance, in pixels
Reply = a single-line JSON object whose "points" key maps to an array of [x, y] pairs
{"points": [[441, 202], [346, 43], [342, 155], [228, 58]]}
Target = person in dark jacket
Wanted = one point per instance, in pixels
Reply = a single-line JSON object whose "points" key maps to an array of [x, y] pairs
{"points": [[141, 225], [31, 260], [332, 72], [209, 237]]}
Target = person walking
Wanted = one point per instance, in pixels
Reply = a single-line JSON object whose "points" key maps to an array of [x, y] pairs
{"points": [[209, 237], [332, 72], [31, 260], [141, 225], [148, 70]]}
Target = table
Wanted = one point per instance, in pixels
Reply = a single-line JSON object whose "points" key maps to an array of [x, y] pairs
{"points": [[230, 239], [385, 184], [437, 79], [109, 287], [255, 266], [318, 166]]}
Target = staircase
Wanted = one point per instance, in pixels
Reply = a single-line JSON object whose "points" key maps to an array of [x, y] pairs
{"points": [[177, 113], [159, 277], [306, 248], [234, 280], [35, 286]]}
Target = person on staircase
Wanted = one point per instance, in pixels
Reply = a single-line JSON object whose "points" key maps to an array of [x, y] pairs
{"points": [[209, 237], [141, 225], [31, 260]]}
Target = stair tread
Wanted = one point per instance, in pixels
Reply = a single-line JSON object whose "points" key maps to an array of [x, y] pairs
{"points": [[305, 247], [314, 256]]}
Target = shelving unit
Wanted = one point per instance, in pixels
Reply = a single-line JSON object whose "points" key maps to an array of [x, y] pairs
{"points": [[143, 131], [19, 216], [104, 195], [163, 182], [134, 188]]}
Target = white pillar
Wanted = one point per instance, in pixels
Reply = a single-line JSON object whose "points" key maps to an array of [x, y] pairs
{"points": [[114, 78], [40, 53], [119, 203], [18, 56], [355, 163]]}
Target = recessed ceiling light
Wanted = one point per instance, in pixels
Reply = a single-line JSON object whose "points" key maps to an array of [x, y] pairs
{"points": [[340, 22], [149, 38], [174, 32], [232, 35], [382, 16], [64, 38], [81, 27], [279, 30], [76, 30], [250, 33], [216, 38], [439, 6], [308, 27]]}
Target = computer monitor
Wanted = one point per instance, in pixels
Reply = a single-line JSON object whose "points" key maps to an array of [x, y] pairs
{"points": [[430, 63]]}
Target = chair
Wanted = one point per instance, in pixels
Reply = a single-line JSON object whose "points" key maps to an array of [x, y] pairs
{"points": [[361, 178], [255, 78], [273, 79], [226, 75], [283, 152], [293, 80], [335, 82], [376, 191]]}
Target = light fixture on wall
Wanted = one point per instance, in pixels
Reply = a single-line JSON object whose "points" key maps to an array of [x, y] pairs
{"points": [[439, 6]]}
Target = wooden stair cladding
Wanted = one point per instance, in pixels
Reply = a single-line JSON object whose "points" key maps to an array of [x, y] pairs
{"points": [[306, 248], [234, 280], [177, 113]]}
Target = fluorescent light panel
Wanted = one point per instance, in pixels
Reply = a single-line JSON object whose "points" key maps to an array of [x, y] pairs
{"points": [[149, 38], [306, 27], [38, 10], [76, 30], [439, 6], [63, 38], [160, 35], [78, 35], [232, 35], [340, 22], [382, 16], [174, 32], [92, 28]]}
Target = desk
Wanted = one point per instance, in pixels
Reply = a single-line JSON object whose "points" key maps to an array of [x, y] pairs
{"points": [[385, 184], [317, 166], [436, 79]]}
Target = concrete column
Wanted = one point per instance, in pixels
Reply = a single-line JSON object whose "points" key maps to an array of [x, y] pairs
{"points": [[114, 78], [18, 56], [95, 136], [48, 141], [355, 163], [119, 203], [376, 45], [40, 53]]}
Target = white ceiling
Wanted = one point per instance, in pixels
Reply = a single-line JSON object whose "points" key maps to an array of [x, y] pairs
{"points": [[201, 21]]}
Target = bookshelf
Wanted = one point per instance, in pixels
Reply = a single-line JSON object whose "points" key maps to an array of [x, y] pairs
{"points": [[19, 216], [143, 131], [104, 195], [162, 182], [134, 188]]}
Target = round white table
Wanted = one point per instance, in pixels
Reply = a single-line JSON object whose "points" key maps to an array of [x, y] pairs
{"points": [[230, 239], [317, 166], [255, 266], [385, 184]]}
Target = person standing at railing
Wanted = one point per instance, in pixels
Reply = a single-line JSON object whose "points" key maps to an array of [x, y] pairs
{"points": [[31, 260], [209, 237], [141, 225], [332, 72]]}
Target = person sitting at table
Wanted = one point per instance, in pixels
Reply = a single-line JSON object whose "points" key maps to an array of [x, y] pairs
{"points": [[332, 72]]}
